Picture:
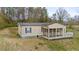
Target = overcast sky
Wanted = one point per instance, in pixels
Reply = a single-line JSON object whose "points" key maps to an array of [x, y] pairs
{"points": [[71, 10]]}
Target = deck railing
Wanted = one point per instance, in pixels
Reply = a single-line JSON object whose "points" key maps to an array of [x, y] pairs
{"points": [[65, 35], [68, 34]]}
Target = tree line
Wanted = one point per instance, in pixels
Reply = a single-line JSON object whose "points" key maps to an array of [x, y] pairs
{"points": [[26, 14], [39, 14]]}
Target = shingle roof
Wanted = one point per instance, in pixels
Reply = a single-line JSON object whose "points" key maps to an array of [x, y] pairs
{"points": [[32, 24], [56, 25]]}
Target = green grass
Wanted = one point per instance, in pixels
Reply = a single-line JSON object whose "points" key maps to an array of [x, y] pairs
{"points": [[55, 47], [70, 30], [5, 22], [3, 26]]}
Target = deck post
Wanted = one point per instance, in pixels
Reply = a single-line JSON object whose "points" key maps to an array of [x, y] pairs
{"points": [[64, 31], [48, 32], [56, 32]]}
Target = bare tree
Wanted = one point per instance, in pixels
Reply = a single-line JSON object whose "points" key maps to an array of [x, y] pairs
{"points": [[61, 14]]}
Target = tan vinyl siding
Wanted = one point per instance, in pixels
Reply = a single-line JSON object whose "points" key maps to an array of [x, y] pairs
{"points": [[35, 30]]}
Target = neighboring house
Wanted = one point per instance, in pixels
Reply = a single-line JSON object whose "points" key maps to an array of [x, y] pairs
{"points": [[45, 30]]}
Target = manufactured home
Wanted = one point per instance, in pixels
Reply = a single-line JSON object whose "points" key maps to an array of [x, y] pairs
{"points": [[45, 30]]}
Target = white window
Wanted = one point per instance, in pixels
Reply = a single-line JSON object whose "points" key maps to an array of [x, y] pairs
{"points": [[28, 30]]}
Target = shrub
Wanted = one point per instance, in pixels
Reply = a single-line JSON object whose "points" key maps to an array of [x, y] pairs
{"points": [[18, 35], [36, 47], [2, 26], [40, 43]]}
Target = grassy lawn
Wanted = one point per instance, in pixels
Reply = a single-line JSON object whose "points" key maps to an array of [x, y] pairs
{"points": [[9, 41]]}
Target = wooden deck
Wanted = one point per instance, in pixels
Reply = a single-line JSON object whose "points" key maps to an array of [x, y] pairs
{"points": [[66, 35]]}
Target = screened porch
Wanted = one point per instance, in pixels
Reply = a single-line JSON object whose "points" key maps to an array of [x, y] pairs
{"points": [[55, 33]]}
